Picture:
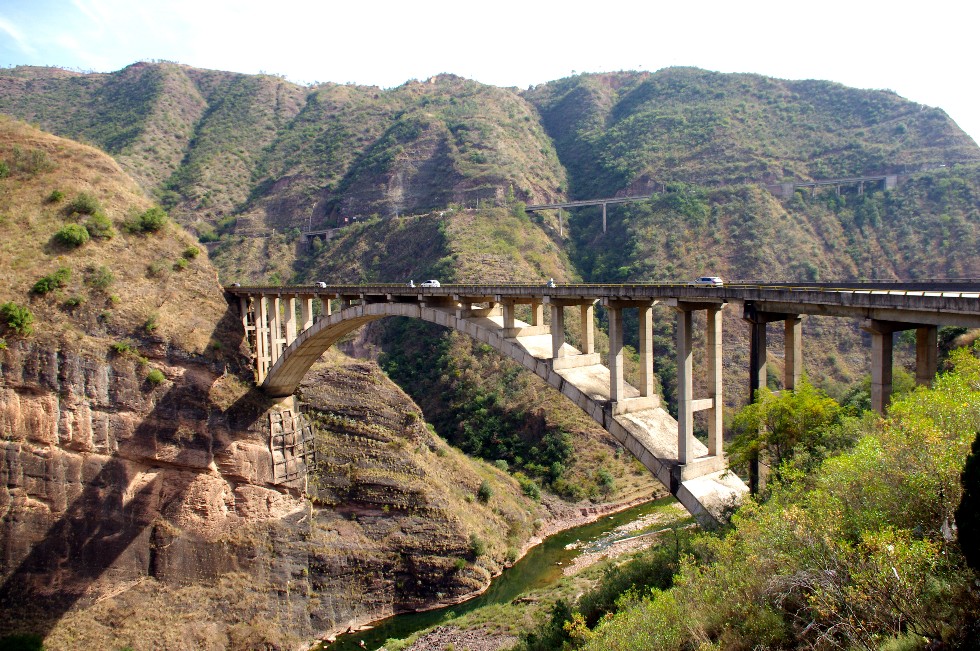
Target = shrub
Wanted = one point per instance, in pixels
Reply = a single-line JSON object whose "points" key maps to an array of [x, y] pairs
{"points": [[18, 318], [4, 169], [99, 226], [83, 204], [100, 278], [477, 546], [485, 492], [191, 252], [56, 196], [52, 281], [74, 301], [149, 222], [123, 347], [155, 268], [72, 235], [3, 344], [181, 264], [151, 324], [155, 377]]}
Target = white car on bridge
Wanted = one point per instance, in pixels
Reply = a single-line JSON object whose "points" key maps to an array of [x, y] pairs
{"points": [[707, 281], [430, 283]]}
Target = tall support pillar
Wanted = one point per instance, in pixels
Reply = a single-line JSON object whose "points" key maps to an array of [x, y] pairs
{"points": [[262, 338], [275, 338], [561, 231], [305, 313], [926, 351], [757, 358], [881, 370], [757, 371], [794, 351], [713, 358], [616, 382], [881, 360], [588, 328], [289, 305], [325, 306], [557, 329], [685, 388], [603, 218], [646, 350]]}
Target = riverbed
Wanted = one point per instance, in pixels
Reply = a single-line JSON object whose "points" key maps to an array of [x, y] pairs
{"points": [[542, 566]]}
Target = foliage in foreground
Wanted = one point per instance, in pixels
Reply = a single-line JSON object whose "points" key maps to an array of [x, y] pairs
{"points": [[860, 553], [17, 318]]}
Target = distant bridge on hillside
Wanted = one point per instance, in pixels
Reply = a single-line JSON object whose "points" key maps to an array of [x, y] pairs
{"points": [[781, 190], [286, 340]]}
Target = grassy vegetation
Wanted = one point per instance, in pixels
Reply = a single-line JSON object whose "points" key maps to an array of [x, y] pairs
{"points": [[857, 553], [72, 301]]}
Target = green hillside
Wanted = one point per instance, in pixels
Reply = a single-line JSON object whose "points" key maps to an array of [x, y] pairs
{"points": [[633, 132]]}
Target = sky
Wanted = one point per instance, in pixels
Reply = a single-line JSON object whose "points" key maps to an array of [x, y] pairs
{"points": [[925, 52]]}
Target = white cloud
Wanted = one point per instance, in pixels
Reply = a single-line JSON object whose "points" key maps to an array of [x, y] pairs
{"points": [[18, 38]]}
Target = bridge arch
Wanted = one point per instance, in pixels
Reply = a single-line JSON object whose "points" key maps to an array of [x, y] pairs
{"points": [[645, 429]]}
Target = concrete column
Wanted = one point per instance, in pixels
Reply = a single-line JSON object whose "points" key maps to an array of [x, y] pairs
{"points": [[757, 358], [262, 338], [588, 328], [276, 329], [305, 313], [509, 317], [685, 388], [926, 351], [537, 314], [881, 370], [325, 307], [616, 383], [557, 329], [560, 230], [713, 358], [794, 351], [646, 351], [603, 218], [243, 310], [289, 305]]}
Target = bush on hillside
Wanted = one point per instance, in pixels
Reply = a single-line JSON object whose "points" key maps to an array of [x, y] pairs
{"points": [[52, 281], [17, 318], [72, 235], [99, 226], [100, 278], [150, 221], [83, 204]]}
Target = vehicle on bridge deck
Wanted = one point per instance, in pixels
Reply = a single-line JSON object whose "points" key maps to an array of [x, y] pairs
{"points": [[707, 281], [430, 283], [320, 284]]}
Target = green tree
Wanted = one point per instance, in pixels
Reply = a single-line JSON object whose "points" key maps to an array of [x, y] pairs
{"points": [[777, 426], [968, 512]]}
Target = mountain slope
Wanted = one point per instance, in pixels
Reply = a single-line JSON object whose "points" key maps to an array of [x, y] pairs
{"points": [[696, 126]]}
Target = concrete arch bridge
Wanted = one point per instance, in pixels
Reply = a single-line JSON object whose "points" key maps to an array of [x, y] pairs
{"points": [[286, 340]]}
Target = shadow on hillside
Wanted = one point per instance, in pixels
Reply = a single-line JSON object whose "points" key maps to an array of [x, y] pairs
{"points": [[98, 527]]}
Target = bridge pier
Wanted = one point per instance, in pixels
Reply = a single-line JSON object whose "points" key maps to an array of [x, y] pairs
{"points": [[686, 403], [758, 366], [926, 357]]}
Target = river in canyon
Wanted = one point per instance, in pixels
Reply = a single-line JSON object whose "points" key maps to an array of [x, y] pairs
{"points": [[542, 566]]}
